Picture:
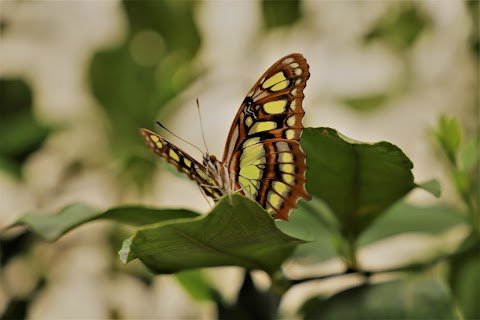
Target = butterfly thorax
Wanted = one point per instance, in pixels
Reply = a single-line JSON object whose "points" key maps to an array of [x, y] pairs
{"points": [[219, 176]]}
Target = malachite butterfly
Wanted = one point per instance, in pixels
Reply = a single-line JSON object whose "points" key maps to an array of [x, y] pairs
{"points": [[263, 159]]}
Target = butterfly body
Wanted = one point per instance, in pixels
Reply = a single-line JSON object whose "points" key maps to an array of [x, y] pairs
{"points": [[263, 159]]}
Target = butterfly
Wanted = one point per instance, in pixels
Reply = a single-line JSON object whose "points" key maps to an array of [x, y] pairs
{"points": [[263, 159]]}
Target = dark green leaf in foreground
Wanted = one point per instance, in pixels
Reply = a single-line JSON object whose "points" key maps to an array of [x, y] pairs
{"points": [[358, 181], [52, 227], [237, 234], [415, 297]]}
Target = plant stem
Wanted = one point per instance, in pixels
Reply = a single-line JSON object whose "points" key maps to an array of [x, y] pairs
{"points": [[351, 253]]}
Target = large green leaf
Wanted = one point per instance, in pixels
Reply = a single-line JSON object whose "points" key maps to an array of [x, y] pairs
{"points": [[415, 297], [52, 227], [358, 181], [237, 232]]}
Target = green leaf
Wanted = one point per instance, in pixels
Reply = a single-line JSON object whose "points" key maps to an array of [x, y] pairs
{"points": [[358, 181], [469, 155], [401, 27], [21, 133], [404, 217], [432, 186], [414, 297], [124, 253], [52, 227], [465, 280], [366, 103], [151, 67], [236, 233], [280, 13], [449, 134], [197, 284], [141, 216], [313, 221]]}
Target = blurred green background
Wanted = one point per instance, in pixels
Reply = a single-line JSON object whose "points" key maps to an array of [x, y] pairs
{"points": [[79, 78]]}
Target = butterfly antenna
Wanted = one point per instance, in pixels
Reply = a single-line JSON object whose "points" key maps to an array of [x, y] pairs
{"points": [[201, 126], [173, 134]]}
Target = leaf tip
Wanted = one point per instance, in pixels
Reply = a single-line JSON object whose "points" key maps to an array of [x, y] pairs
{"points": [[431, 186], [124, 253]]}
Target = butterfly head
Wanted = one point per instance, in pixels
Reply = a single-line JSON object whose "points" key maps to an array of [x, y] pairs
{"points": [[211, 163]]}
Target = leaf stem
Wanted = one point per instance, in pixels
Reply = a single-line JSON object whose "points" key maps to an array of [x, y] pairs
{"points": [[367, 274]]}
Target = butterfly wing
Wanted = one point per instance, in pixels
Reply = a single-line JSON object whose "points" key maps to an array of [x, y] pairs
{"points": [[262, 151], [183, 162]]}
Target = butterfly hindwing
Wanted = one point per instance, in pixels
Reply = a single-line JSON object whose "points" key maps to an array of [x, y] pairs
{"points": [[182, 161]]}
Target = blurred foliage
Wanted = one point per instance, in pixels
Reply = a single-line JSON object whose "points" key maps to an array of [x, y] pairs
{"points": [[449, 135], [17, 308], [413, 297], [463, 161], [251, 303], [367, 103], [22, 134], [465, 281], [13, 245], [473, 8], [197, 284], [137, 79], [280, 13], [400, 27], [403, 218]]}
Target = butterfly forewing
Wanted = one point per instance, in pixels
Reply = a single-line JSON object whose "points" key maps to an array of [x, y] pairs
{"points": [[183, 162], [273, 107], [262, 149]]}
